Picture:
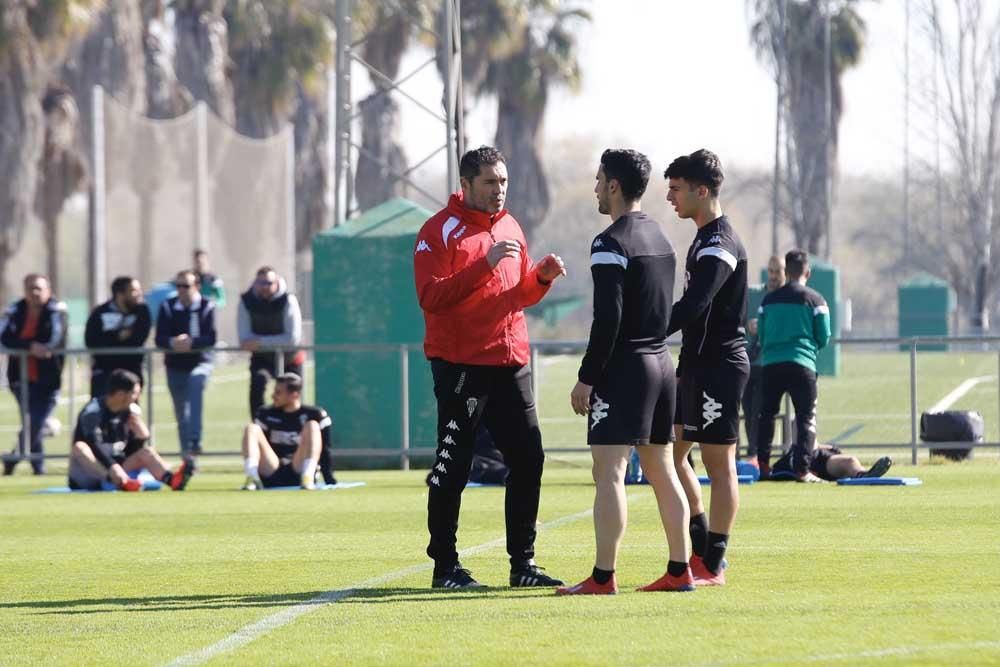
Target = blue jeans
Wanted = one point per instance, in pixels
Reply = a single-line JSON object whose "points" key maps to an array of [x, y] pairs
{"points": [[187, 387], [41, 403]]}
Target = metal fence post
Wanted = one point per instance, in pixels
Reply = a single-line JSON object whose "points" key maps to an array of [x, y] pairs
{"points": [[913, 402], [787, 437], [25, 442], [279, 363], [534, 376], [148, 358], [70, 423], [404, 405]]}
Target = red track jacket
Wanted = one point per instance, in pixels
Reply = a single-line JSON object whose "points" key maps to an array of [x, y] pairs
{"points": [[473, 314]]}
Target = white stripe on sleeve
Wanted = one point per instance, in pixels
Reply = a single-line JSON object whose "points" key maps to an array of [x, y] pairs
{"points": [[609, 258], [821, 310], [721, 253]]}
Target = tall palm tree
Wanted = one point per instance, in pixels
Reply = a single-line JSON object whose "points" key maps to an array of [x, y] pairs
{"points": [[33, 36], [547, 57], [803, 60]]}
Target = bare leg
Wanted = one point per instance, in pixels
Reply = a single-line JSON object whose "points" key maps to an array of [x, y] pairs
{"points": [[147, 458], [257, 450], [840, 466], [81, 453], [610, 508], [685, 473], [658, 466], [310, 443], [720, 462]]}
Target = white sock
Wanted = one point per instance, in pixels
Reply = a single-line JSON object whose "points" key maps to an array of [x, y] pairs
{"points": [[251, 468], [309, 468]]}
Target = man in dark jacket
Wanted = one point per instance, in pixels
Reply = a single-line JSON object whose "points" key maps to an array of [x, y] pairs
{"points": [[123, 321], [185, 326], [269, 315], [37, 324]]}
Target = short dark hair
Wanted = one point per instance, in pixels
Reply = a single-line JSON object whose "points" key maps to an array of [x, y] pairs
{"points": [[32, 277], [266, 269], [122, 380], [188, 272], [630, 168], [290, 381], [473, 160], [796, 263], [198, 252], [699, 168], [120, 284]]}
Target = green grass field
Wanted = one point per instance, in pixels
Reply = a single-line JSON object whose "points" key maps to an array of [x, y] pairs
{"points": [[819, 573]]}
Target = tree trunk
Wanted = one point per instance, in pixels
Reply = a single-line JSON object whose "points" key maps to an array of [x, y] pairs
{"points": [[382, 157], [165, 96], [518, 129], [311, 121], [22, 135], [202, 56]]}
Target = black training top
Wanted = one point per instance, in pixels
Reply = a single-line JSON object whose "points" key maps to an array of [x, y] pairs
{"points": [[283, 429], [106, 432], [633, 266], [710, 313]]}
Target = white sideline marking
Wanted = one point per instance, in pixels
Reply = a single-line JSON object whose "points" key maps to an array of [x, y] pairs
{"points": [[877, 653], [958, 392], [249, 633]]}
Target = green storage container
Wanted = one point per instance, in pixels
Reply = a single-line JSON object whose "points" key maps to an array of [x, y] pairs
{"points": [[363, 292], [925, 307], [825, 279]]}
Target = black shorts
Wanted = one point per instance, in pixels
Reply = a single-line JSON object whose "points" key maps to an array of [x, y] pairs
{"points": [[708, 399], [285, 475], [821, 456], [633, 402]]}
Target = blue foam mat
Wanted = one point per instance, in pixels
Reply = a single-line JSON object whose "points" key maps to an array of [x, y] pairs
{"points": [[147, 485], [880, 481], [743, 479], [319, 487], [480, 485]]}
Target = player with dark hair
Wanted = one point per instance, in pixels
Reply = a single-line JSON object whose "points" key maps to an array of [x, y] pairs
{"points": [[793, 325], [111, 441], [830, 464], [713, 366], [626, 380], [287, 440], [474, 278], [122, 321]]}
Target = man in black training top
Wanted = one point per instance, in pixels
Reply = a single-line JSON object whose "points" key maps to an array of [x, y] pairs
{"points": [[713, 367], [122, 321], [111, 441], [286, 440], [626, 381]]}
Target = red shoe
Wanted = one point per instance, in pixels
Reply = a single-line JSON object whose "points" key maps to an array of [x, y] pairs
{"points": [[683, 583], [703, 576], [131, 485], [590, 587], [181, 476]]}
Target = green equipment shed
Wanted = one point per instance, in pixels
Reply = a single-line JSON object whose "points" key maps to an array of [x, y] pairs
{"points": [[363, 293], [926, 304]]}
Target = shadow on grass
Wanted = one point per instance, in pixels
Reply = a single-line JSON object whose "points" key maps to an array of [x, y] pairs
{"points": [[173, 603]]}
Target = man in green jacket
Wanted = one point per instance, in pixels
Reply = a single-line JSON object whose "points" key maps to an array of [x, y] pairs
{"points": [[793, 325]]}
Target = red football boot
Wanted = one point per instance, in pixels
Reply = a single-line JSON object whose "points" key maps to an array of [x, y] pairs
{"points": [[682, 584], [590, 587], [703, 576]]}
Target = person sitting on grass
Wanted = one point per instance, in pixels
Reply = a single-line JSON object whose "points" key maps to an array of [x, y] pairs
{"points": [[286, 440], [112, 441], [830, 464]]}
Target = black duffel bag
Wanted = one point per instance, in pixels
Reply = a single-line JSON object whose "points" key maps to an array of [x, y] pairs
{"points": [[951, 426]]}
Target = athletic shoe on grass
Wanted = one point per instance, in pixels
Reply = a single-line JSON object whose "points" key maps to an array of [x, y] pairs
{"points": [[530, 575], [878, 468], [681, 584], [181, 476], [808, 478], [590, 587], [308, 483], [252, 483], [131, 485], [456, 577], [703, 576]]}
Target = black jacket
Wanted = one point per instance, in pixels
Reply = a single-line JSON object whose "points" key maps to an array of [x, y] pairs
{"points": [[198, 322], [51, 332], [109, 327]]}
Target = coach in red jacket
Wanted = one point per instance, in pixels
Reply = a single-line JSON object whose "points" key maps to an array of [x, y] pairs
{"points": [[474, 278]]}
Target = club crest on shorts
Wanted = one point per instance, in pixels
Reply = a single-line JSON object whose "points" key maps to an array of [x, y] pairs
{"points": [[598, 410], [470, 405], [711, 409]]}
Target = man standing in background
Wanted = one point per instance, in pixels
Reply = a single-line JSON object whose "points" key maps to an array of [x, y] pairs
{"points": [[211, 284], [37, 323], [122, 321], [268, 316], [752, 393], [185, 326]]}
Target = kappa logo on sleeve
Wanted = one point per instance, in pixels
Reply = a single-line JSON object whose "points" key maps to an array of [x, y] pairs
{"points": [[422, 246]]}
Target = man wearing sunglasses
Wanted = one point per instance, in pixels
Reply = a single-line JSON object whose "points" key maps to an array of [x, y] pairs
{"points": [[269, 316], [185, 327]]}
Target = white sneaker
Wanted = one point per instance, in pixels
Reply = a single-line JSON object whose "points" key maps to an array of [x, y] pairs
{"points": [[252, 484], [308, 483]]}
